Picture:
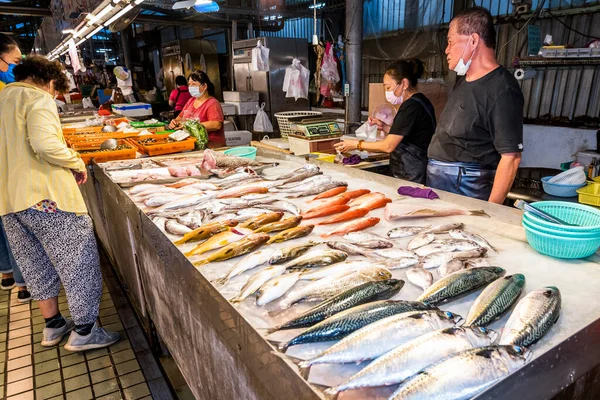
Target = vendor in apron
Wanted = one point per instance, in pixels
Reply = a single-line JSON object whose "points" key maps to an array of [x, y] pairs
{"points": [[410, 133], [476, 149]]}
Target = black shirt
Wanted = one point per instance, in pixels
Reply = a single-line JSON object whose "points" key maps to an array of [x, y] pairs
{"points": [[414, 122], [482, 120]]}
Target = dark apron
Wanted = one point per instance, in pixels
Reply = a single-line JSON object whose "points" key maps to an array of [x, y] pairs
{"points": [[466, 179], [409, 162]]}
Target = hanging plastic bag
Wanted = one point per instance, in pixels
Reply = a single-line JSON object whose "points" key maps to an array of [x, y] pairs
{"points": [[367, 132], [329, 69], [87, 103], [296, 80], [260, 57], [262, 122]]}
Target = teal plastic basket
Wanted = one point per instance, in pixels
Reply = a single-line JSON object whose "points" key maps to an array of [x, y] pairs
{"points": [[586, 218], [561, 247], [549, 231], [244, 151]]}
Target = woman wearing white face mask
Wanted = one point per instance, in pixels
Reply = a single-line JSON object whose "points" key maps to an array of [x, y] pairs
{"points": [[408, 137], [203, 107]]}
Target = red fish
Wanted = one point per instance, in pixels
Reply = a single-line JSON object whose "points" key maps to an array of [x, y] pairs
{"points": [[325, 211], [375, 203], [352, 194], [334, 201], [354, 226], [352, 213], [370, 196], [330, 193]]}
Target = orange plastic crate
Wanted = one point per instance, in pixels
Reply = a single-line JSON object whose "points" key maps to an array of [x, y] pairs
{"points": [[80, 131], [162, 145], [103, 156]]}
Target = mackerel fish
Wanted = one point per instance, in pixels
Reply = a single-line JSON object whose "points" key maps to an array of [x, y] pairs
{"points": [[365, 293], [344, 323], [378, 338], [410, 358], [289, 253], [497, 298], [460, 283], [463, 375], [317, 258], [532, 318]]}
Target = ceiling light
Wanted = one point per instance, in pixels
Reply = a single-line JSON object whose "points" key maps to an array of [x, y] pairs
{"points": [[67, 31], [119, 15], [101, 14], [98, 29], [137, 2], [80, 42]]}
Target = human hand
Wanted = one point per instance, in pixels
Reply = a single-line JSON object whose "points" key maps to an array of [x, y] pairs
{"points": [[80, 177], [175, 124], [346, 145]]}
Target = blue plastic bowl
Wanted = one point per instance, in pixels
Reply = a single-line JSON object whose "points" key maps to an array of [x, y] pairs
{"points": [[550, 231], [561, 247], [244, 151], [559, 190], [586, 218]]}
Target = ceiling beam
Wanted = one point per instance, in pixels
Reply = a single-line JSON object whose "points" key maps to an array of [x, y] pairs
{"points": [[26, 11]]}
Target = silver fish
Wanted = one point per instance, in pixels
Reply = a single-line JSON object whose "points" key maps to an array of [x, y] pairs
{"points": [[401, 263], [176, 228], [303, 185], [289, 253], [395, 254], [459, 244], [477, 262], [450, 267], [276, 287], [256, 196], [497, 298], [436, 259], [317, 258], [406, 231], [464, 375], [422, 240], [307, 173], [160, 199], [318, 189], [282, 205], [230, 185], [460, 234], [336, 269], [445, 228], [305, 167], [434, 248], [406, 360], [419, 277], [359, 237], [160, 222], [257, 280], [193, 219], [349, 248], [384, 335], [142, 188], [376, 244], [249, 262], [182, 202], [533, 317]]}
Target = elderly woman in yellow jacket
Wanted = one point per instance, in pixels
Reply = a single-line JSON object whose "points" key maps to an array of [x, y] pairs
{"points": [[46, 220]]}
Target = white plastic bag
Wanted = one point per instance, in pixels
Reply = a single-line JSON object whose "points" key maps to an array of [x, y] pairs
{"points": [[367, 132], [296, 80], [329, 68], [87, 103], [260, 57], [262, 122]]}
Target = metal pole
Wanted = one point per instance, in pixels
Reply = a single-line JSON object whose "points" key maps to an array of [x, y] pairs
{"points": [[354, 37], [126, 38]]}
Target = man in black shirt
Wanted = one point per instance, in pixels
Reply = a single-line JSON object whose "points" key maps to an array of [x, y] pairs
{"points": [[476, 149]]}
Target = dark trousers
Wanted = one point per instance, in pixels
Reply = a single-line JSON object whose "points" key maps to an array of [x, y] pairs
{"points": [[466, 179], [409, 162]]}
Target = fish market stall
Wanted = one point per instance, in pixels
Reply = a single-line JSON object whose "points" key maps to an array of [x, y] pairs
{"points": [[217, 304]]}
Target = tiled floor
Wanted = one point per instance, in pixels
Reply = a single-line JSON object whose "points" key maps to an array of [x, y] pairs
{"points": [[28, 371]]}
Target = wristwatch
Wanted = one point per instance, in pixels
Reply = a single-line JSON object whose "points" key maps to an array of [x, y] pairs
{"points": [[359, 145]]}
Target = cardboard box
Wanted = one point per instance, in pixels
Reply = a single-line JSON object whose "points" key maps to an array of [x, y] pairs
{"points": [[238, 138], [245, 108], [228, 109], [239, 97]]}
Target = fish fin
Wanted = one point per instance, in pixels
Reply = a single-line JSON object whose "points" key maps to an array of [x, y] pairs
{"points": [[221, 281], [180, 241], [479, 213], [272, 330], [275, 313], [235, 300], [201, 263]]}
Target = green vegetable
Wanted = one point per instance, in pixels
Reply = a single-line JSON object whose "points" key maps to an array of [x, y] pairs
{"points": [[197, 130]]}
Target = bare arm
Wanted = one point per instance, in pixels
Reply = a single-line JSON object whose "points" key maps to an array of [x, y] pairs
{"points": [[212, 126], [505, 175], [385, 146], [171, 103]]}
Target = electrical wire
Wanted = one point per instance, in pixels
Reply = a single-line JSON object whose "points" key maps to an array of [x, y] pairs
{"points": [[572, 29], [534, 14]]}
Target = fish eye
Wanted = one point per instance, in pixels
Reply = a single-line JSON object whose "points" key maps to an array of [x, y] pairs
{"points": [[449, 314], [518, 349], [483, 330]]}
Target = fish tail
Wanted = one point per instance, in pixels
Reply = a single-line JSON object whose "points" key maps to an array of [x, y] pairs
{"points": [[332, 392], [180, 241], [478, 213], [235, 300], [304, 369], [272, 330], [201, 262], [221, 281]]}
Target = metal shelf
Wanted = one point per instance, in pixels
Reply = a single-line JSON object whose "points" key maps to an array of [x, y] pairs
{"points": [[558, 61]]}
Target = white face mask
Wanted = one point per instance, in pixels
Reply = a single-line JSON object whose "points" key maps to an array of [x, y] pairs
{"points": [[462, 68], [195, 91], [392, 98]]}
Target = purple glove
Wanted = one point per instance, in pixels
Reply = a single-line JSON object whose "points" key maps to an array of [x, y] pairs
{"points": [[352, 160], [418, 192]]}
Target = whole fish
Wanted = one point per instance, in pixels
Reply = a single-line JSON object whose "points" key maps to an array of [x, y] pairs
{"points": [[142, 188], [228, 236], [292, 233], [374, 204], [246, 245], [401, 263], [305, 167], [192, 220], [497, 298], [262, 219], [212, 159], [182, 202], [161, 223], [378, 338], [249, 262], [395, 254], [406, 231], [256, 196], [463, 375], [362, 294], [325, 211], [283, 206], [317, 189], [204, 186], [345, 322], [237, 177], [349, 248], [176, 228], [182, 183], [368, 197], [354, 226], [532, 318], [458, 244], [276, 287], [434, 260], [445, 228], [334, 285], [450, 267], [353, 194], [307, 173], [419, 277], [422, 240], [317, 258], [160, 199], [257, 280], [435, 248], [376, 244], [460, 283], [408, 359], [362, 237], [477, 262], [238, 192], [304, 185], [329, 193], [280, 225], [459, 234], [351, 214], [289, 253], [339, 200], [340, 268], [234, 184], [395, 211]]}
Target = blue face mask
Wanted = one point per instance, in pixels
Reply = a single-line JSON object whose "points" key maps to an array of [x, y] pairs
{"points": [[8, 76], [195, 91]]}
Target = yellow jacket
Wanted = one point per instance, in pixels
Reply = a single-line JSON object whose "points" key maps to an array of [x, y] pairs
{"points": [[2, 84], [35, 162]]}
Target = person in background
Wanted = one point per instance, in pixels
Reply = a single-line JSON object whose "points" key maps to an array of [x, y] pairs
{"points": [[180, 96], [204, 107], [476, 149], [409, 135], [10, 57], [45, 217]]}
